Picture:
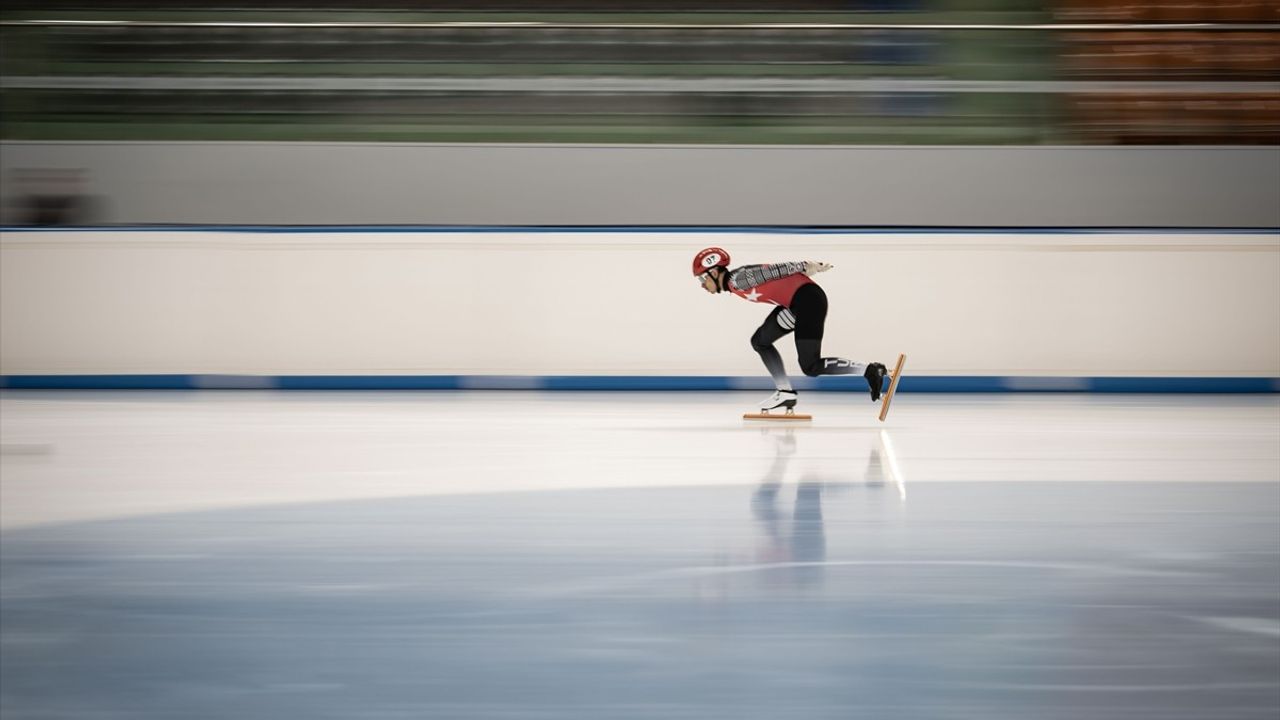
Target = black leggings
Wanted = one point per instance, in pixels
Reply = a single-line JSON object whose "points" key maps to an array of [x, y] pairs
{"points": [[807, 317]]}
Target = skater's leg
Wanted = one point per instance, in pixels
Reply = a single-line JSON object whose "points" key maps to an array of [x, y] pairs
{"points": [[779, 323], [810, 307], [813, 364]]}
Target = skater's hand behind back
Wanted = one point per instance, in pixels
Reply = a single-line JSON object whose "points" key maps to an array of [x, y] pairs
{"points": [[813, 268]]}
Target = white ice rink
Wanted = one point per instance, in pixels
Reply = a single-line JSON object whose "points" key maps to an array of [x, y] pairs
{"points": [[638, 555]]}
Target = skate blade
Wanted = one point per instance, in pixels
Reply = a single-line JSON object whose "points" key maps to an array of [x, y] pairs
{"points": [[893, 387], [776, 416]]}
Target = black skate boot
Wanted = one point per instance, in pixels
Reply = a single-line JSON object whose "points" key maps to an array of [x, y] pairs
{"points": [[875, 378]]}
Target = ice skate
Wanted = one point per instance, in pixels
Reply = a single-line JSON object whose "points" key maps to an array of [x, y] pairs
{"points": [[783, 400], [875, 379], [893, 386]]}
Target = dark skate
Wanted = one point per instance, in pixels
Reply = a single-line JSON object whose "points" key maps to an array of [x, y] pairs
{"points": [[875, 379]]}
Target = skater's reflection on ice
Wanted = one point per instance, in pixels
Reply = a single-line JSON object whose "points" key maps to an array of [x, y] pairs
{"points": [[794, 550]]}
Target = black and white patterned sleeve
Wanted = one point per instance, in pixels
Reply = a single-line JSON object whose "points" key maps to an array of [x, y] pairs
{"points": [[749, 276]]}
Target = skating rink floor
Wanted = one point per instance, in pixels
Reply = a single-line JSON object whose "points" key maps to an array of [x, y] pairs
{"points": [[238, 554]]}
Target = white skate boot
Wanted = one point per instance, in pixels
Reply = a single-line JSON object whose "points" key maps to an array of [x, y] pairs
{"points": [[785, 399]]}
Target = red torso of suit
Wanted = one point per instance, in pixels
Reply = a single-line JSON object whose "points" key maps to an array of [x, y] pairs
{"points": [[772, 284]]}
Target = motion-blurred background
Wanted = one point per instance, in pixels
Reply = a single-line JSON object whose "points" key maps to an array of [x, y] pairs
{"points": [[718, 71], [873, 73]]}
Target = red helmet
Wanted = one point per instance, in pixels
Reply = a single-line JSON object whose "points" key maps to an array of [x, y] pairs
{"points": [[709, 258]]}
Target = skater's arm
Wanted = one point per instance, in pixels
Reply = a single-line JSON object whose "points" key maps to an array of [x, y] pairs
{"points": [[745, 278], [750, 276]]}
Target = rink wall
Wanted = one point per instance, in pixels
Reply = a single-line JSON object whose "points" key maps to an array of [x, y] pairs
{"points": [[1194, 310]]}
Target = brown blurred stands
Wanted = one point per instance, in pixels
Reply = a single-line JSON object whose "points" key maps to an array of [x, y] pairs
{"points": [[1174, 55]]}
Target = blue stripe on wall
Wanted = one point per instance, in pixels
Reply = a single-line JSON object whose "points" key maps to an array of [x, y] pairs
{"points": [[910, 383], [368, 382], [97, 382], [637, 382], [1189, 385]]}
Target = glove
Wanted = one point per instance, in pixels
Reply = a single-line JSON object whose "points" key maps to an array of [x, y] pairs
{"points": [[813, 268]]}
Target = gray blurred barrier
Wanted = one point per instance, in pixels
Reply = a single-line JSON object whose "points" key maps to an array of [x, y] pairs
{"points": [[375, 184]]}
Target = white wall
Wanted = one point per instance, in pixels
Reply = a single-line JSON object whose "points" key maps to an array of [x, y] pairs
{"points": [[626, 303]]}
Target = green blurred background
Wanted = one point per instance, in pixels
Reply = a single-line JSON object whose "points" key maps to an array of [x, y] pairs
{"points": [[888, 72]]}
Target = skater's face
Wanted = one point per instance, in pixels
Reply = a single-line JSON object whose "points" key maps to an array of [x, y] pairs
{"points": [[708, 280]]}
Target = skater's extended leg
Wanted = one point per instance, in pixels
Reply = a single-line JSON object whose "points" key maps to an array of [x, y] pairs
{"points": [[813, 364], [811, 317]]}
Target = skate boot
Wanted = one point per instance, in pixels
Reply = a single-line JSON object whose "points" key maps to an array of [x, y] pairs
{"points": [[875, 378], [782, 399]]}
